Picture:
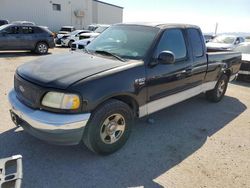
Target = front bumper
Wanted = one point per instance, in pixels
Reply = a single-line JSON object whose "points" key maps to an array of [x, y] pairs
{"points": [[63, 129], [64, 42]]}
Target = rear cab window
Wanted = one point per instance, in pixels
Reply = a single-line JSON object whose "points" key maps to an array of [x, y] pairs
{"points": [[174, 41]]}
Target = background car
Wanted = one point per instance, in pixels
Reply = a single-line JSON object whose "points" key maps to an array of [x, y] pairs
{"points": [[68, 39], [63, 31], [97, 32], [244, 48], [224, 42], [92, 27], [4, 22], [26, 37]]}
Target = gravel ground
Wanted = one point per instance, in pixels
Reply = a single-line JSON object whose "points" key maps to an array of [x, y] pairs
{"points": [[192, 144]]}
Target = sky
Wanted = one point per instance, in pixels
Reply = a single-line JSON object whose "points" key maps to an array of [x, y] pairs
{"points": [[231, 15]]}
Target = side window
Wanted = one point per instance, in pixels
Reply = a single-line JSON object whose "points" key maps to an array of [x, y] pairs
{"points": [[13, 30], [173, 40], [196, 42], [27, 30]]}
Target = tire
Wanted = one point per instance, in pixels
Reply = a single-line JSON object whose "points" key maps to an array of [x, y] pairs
{"points": [[70, 43], [219, 91], [41, 48], [109, 127]]}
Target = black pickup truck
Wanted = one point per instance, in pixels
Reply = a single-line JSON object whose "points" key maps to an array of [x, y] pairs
{"points": [[130, 70]]}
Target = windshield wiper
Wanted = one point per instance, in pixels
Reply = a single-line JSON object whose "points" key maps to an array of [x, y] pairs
{"points": [[109, 54]]}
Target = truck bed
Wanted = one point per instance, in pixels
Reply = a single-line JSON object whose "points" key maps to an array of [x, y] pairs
{"points": [[228, 60]]}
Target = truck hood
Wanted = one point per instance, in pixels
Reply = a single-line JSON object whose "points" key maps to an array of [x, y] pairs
{"points": [[219, 45], [62, 70]]}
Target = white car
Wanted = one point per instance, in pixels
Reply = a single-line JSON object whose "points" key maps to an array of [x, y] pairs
{"points": [[80, 44], [224, 42], [68, 39], [65, 30]]}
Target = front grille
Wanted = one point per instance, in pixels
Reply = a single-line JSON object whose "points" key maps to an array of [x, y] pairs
{"points": [[27, 92], [245, 66]]}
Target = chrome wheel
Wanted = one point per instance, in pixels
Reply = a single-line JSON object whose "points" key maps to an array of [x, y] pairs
{"points": [[221, 88], [42, 48], [112, 128]]}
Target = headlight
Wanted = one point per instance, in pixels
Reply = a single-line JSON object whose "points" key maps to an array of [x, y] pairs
{"points": [[61, 101]]}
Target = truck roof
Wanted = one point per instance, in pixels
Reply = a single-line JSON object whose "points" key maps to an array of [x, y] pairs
{"points": [[160, 25]]}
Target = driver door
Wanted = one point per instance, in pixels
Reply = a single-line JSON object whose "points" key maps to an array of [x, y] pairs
{"points": [[164, 80]]}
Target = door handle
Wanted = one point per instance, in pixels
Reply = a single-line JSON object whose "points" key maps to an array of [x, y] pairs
{"points": [[187, 71]]}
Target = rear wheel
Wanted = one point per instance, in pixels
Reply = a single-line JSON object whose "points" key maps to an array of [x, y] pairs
{"points": [[219, 91], [41, 48], [109, 127]]}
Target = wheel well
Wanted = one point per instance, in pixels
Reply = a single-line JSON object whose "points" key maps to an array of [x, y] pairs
{"points": [[130, 101], [43, 42]]}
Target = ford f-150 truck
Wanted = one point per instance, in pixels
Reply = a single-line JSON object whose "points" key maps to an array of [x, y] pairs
{"points": [[129, 71]]}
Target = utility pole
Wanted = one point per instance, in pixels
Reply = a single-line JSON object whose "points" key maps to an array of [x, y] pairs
{"points": [[216, 28]]}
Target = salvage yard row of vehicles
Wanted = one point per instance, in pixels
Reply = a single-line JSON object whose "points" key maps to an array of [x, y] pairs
{"points": [[67, 39], [129, 71]]}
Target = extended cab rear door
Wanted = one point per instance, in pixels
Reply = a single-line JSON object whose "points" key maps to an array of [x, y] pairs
{"points": [[198, 55]]}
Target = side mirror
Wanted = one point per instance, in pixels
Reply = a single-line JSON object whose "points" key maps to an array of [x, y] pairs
{"points": [[237, 42], [166, 57]]}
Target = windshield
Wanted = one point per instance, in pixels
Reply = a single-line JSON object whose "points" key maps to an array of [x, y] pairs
{"points": [[245, 49], [101, 29], [66, 29], [224, 39], [129, 42]]}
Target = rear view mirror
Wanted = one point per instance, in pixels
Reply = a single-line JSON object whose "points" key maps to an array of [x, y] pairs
{"points": [[166, 57]]}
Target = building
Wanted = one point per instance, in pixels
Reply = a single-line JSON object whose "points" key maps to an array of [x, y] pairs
{"points": [[57, 13]]}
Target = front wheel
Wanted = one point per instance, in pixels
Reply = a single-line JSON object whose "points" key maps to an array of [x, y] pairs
{"points": [[70, 43], [219, 91], [109, 127]]}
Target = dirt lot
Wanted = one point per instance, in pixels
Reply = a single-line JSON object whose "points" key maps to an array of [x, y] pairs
{"points": [[192, 144]]}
